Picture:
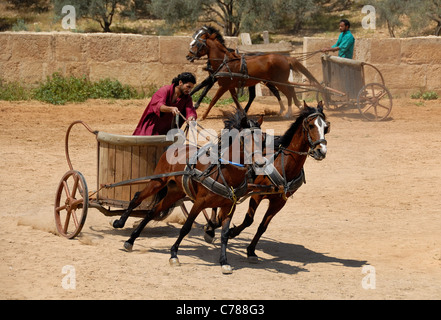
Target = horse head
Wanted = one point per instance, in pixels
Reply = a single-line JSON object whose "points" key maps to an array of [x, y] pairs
{"points": [[248, 148], [316, 127], [198, 46]]}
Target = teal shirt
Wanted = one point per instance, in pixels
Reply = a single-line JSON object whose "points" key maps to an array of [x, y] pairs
{"points": [[346, 43]]}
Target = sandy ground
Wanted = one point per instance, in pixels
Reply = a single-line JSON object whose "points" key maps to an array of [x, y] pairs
{"points": [[365, 226]]}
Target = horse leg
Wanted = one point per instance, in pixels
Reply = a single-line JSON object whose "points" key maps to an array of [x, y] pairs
{"points": [[208, 83], [216, 97], [211, 226], [226, 219], [276, 93], [249, 217], [170, 198], [275, 205], [252, 92], [290, 95], [154, 187], [236, 100], [194, 212]]}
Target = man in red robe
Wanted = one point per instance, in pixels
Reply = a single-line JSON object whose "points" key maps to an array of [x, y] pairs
{"points": [[165, 104]]}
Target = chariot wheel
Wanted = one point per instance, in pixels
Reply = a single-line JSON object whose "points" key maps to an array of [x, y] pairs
{"points": [[71, 204], [374, 102]]}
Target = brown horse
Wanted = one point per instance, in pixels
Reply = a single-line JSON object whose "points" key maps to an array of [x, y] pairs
{"points": [[214, 65], [284, 171], [237, 71], [219, 184]]}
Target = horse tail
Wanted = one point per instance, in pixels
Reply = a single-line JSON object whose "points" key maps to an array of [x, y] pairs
{"points": [[295, 65]]}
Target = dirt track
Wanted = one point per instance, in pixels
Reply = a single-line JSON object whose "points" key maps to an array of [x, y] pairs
{"points": [[373, 201]]}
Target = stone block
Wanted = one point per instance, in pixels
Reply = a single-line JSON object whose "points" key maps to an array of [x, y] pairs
{"points": [[433, 77], [32, 46], [103, 47], [421, 50], [362, 50], [137, 48], [403, 77], [70, 47], [173, 50], [385, 51], [5, 46]]}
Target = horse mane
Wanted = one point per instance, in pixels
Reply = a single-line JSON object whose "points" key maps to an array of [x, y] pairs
{"points": [[285, 140], [236, 120], [213, 30]]}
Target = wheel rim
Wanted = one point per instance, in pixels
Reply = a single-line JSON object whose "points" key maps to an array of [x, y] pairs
{"points": [[71, 204], [374, 102]]}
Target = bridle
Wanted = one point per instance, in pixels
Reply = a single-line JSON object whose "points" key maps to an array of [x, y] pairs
{"points": [[199, 43], [314, 144]]}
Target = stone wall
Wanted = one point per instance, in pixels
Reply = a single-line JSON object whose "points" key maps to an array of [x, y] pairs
{"points": [[407, 64], [136, 60]]}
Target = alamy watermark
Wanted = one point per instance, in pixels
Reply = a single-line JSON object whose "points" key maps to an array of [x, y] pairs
{"points": [[369, 281], [69, 21], [370, 20], [69, 281], [206, 147]]}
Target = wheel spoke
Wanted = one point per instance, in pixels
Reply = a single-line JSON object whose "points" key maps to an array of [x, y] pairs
{"points": [[368, 108], [66, 189], [58, 209], [75, 186], [75, 218], [67, 220]]}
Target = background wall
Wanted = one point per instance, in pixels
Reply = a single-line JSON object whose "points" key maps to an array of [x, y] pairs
{"points": [[407, 64], [136, 60]]}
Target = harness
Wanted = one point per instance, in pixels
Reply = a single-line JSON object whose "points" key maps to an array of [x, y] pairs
{"points": [[203, 177], [280, 180]]}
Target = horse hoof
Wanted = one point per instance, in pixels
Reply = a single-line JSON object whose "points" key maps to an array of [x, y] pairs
{"points": [[226, 269], [253, 259], [128, 246], [209, 239], [116, 224], [174, 262]]}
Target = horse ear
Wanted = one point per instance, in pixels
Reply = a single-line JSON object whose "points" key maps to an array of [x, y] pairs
{"points": [[320, 106], [244, 122], [305, 105]]}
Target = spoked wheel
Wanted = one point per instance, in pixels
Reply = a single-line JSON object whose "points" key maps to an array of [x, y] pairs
{"points": [[374, 102], [71, 204]]}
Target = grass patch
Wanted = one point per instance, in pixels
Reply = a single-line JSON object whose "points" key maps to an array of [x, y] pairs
{"points": [[425, 95], [58, 89]]}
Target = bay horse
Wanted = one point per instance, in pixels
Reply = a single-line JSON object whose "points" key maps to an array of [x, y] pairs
{"points": [[305, 137], [208, 184], [209, 82], [267, 68]]}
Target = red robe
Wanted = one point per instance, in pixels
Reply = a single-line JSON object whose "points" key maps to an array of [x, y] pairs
{"points": [[154, 122]]}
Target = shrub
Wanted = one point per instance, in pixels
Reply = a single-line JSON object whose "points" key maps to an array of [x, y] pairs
{"points": [[13, 91], [59, 90]]}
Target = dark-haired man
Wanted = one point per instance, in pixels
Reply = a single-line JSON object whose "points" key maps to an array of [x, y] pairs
{"points": [[345, 42], [166, 103]]}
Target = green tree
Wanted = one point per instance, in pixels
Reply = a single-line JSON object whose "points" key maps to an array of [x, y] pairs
{"points": [[423, 13], [390, 12], [234, 16], [411, 16], [224, 13]]}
